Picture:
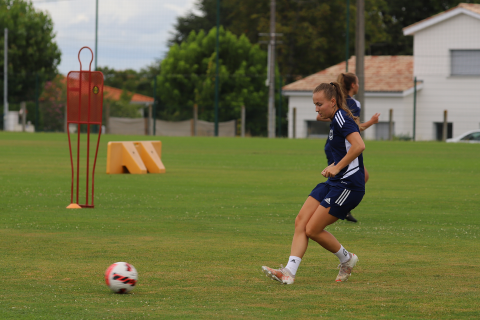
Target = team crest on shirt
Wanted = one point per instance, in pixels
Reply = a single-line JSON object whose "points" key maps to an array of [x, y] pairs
{"points": [[330, 135]]}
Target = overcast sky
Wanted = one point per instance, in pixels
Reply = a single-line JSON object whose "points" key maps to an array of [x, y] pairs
{"points": [[131, 33]]}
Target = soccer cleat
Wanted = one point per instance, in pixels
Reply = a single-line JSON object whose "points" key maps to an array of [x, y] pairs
{"points": [[282, 275], [350, 218], [346, 268]]}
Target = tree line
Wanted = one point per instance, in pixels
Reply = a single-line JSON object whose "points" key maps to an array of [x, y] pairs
{"points": [[314, 36], [314, 31]]}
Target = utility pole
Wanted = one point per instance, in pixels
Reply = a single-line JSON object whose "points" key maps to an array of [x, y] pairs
{"points": [[347, 34], [96, 32], [5, 80], [271, 91], [360, 56], [217, 44]]}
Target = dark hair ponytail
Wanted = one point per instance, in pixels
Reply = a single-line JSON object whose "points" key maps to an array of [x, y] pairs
{"points": [[346, 80]]}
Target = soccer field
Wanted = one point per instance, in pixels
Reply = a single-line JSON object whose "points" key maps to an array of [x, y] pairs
{"points": [[199, 234]]}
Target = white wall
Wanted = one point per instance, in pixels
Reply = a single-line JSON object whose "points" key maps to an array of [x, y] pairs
{"points": [[459, 95], [305, 111], [402, 113]]}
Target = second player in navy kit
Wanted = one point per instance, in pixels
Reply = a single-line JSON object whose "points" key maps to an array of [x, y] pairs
{"points": [[333, 199]]}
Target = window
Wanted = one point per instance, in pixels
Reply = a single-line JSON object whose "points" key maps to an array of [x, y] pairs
{"points": [[439, 130], [318, 129], [472, 137], [465, 62]]}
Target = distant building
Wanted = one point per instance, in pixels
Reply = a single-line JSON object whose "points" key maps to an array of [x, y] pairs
{"points": [[446, 54], [446, 63], [388, 85]]}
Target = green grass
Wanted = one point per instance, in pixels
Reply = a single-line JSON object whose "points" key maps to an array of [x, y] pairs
{"points": [[199, 234]]}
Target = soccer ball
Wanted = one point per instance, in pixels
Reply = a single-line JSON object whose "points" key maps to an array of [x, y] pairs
{"points": [[121, 277]]}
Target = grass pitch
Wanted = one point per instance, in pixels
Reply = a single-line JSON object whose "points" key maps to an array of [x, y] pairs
{"points": [[199, 234]]}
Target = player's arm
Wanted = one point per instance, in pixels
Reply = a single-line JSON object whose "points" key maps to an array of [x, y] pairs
{"points": [[357, 147], [370, 122]]}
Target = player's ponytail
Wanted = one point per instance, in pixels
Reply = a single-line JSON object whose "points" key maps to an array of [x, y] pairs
{"points": [[346, 80], [334, 90]]}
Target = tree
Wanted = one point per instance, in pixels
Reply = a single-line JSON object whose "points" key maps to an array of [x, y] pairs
{"points": [[187, 78], [402, 13], [131, 80], [31, 48], [206, 21], [123, 108], [314, 31], [53, 101]]}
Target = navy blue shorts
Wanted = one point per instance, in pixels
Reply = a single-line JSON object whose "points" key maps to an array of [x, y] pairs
{"points": [[340, 201]]}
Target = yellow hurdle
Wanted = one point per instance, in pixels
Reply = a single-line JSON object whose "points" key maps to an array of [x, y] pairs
{"points": [[136, 157]]}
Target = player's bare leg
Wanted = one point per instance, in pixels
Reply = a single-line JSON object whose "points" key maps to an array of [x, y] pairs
{"points": [[300, 239], [316, 231], [299, 245]]}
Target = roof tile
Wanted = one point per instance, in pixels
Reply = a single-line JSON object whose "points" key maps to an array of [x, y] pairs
{"points": [[382, 74]]}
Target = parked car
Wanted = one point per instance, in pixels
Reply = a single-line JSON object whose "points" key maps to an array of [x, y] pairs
{"points": [[468, 137]]}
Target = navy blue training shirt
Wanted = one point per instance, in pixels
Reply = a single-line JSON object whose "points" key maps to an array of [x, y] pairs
{"points": [[352, 176], [354, 106]]}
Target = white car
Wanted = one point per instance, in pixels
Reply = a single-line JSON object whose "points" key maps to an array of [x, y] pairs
{"points": [[468, 137]]}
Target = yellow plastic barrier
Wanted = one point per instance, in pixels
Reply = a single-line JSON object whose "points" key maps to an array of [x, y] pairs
{"points": [[137, 157]]}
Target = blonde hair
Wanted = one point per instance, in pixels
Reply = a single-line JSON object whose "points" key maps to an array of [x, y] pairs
{"points": [[334, 90]]}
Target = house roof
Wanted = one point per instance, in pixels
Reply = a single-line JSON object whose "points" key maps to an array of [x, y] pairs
{"points": [[470, 9], [115, 93], [382, 74]]}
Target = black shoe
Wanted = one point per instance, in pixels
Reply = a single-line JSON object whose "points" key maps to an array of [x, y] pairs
{"points": [[350, 218]]}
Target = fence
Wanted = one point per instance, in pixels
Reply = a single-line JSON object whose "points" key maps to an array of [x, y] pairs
{"points": [[142, 126]]}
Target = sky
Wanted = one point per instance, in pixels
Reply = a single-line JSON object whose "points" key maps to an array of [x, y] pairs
{"points": [[132, 34]]}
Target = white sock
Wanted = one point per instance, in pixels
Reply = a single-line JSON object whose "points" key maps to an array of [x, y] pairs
{"points": [[343, 255], [293, 264]]}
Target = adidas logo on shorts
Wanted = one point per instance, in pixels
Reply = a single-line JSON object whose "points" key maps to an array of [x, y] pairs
{"points": [[327, 200]]}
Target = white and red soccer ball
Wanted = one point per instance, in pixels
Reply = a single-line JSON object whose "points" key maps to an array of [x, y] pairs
{"points": [[121, 277]]}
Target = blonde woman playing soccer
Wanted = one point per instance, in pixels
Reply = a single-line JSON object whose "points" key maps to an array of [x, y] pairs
{"points": [[334, 198], [349, 83]]}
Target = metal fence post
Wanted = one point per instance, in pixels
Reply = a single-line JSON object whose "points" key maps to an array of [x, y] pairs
{"points": [[23, 110], [155, 106], [414, 106], [243, 122], [294, 124], [37, 122], [445, 126], [195, 119], [390, 125]]}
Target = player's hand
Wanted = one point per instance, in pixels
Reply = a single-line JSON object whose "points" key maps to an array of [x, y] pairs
{"points": [[330, 171], [374, 119]]}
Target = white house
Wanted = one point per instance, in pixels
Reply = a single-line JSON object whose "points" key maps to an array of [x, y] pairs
{"points": [[388, 85], [446, 53], [446, 64]]}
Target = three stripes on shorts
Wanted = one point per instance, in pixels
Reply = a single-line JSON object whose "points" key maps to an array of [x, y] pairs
{"points": [[343, 197]]}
